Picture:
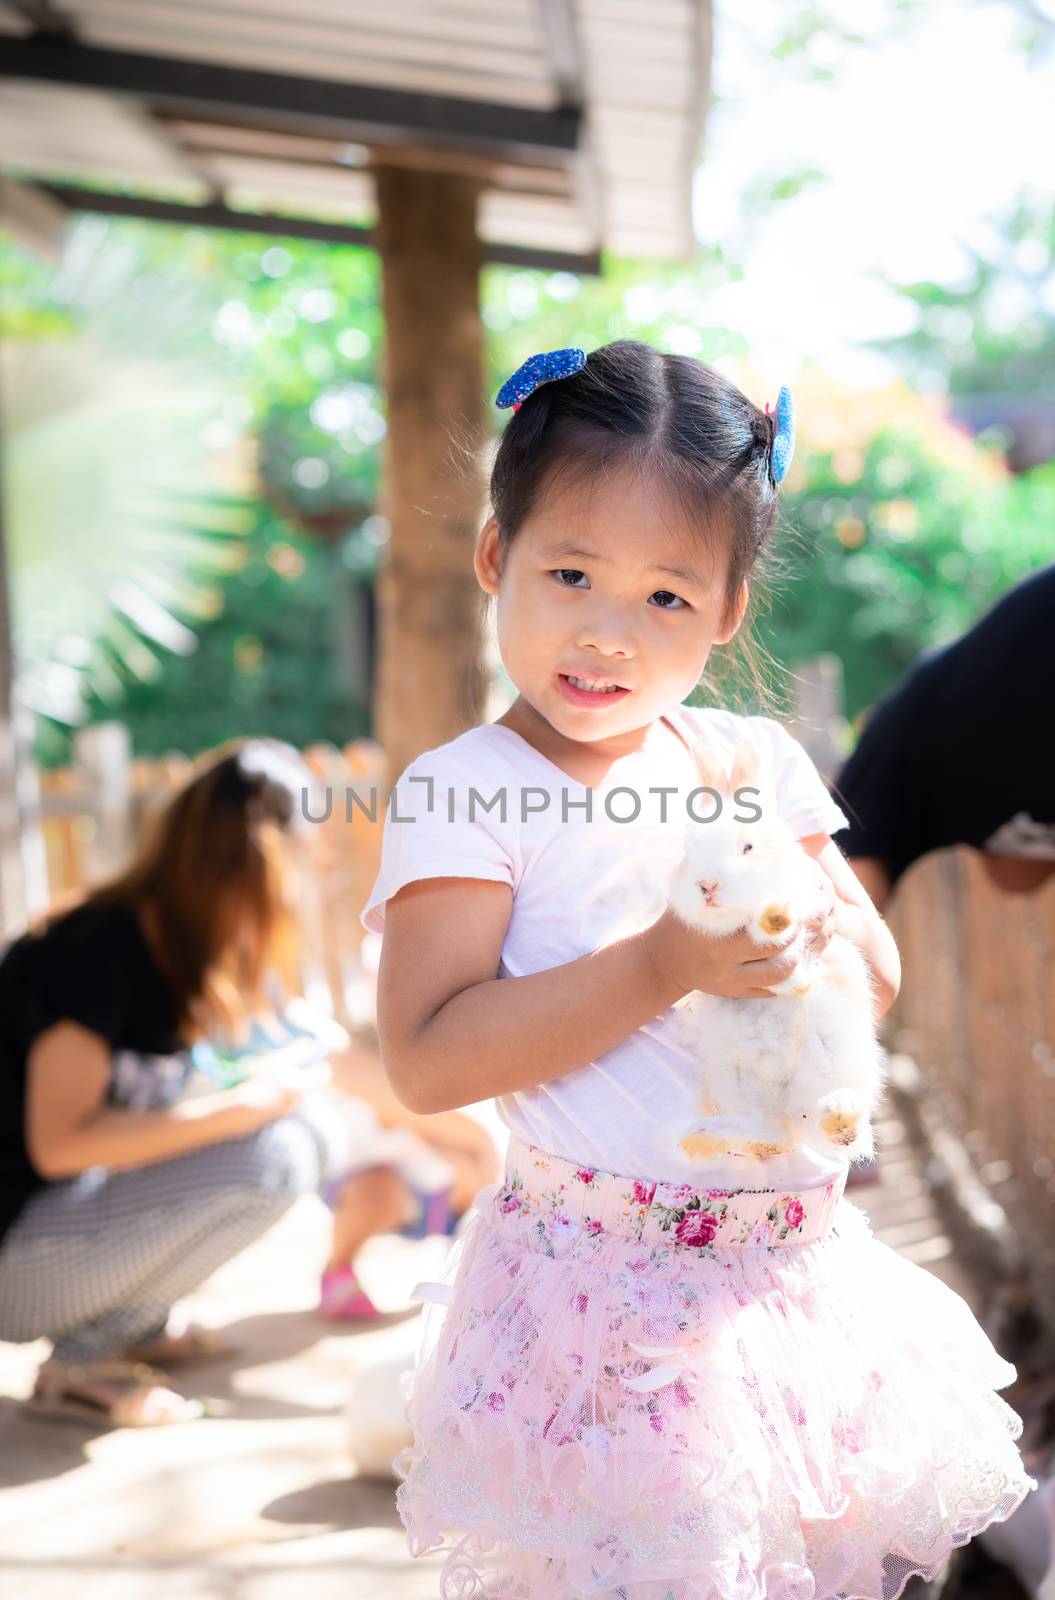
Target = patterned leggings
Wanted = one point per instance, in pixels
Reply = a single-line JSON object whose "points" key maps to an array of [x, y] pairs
{"points": [[94, 1263]]}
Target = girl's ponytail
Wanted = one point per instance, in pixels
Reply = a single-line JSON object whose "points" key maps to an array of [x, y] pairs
{"points": [[531, 417], [765, 431]]}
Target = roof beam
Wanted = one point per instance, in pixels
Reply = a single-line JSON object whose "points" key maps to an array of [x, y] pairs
{"points": [[56, 24], [217, 215], [274, 99]]}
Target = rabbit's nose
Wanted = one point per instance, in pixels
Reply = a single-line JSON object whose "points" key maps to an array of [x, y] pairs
{"points": [[709, 887]]}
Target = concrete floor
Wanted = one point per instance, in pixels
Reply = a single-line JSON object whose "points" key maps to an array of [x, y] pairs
{"points": [[266, 1500]]}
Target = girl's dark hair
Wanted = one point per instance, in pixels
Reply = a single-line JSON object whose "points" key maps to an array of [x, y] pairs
{"points": [[211, 876], [691, 432]]}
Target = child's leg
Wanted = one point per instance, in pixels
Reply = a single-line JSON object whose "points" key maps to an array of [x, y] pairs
{"points": [[369, 1196], [375, 1201]]}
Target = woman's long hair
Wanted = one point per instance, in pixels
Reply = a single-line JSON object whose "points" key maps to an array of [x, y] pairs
{"points": [[212, 880]]}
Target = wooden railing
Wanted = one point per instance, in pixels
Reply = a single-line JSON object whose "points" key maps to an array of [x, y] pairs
{"points": [[976, 1015]]}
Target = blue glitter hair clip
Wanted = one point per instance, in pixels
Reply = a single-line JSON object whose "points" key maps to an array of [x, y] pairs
{"points": [[536, 370], [783, 446]]}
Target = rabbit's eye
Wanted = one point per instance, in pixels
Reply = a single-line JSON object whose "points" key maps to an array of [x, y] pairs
{"points": [[748, 846]]}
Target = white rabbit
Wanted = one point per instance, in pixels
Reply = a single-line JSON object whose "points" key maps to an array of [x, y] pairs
{"points": [[376, 1413], [780, 1074], [377, 1424]]}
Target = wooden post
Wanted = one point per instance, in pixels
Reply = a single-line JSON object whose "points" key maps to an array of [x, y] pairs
{"points": [[431, 682], [103, 756]]}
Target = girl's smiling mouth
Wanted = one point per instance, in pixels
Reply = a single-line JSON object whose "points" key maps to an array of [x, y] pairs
{"points": [[579, 696]]}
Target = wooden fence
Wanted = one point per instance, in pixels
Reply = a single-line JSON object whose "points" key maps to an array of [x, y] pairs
{"points": [[976, 1017]]}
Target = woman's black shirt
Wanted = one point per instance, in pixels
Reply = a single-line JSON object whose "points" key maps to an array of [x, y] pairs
{"points": [[960, 752], [92, 966]]}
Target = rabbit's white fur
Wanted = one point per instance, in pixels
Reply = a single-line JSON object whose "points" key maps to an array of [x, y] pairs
{"points": [[804, 1069], [376, 1411]]}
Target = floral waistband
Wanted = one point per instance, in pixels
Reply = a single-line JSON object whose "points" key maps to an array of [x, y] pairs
{"points": [[570, 1200]]}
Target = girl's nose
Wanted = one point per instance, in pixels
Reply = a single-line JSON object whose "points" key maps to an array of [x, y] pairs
{"points": [[607, 635]]}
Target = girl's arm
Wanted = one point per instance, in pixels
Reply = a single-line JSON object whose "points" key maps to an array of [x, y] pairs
{"points": [[69, 1127], [858, 919], [453, 1033]]}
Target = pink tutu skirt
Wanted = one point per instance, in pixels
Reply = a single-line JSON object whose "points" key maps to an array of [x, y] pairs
{"points": [[659, 1392]]}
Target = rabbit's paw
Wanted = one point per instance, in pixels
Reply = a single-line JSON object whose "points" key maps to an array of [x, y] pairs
{"points": [[840, 1112], [774, 919]]}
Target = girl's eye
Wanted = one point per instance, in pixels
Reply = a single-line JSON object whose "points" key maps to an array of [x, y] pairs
{"points": [[748, 846], [562, 572]]}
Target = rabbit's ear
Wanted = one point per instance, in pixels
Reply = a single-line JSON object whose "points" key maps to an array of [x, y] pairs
{"points": [[710, 763], [744, 768]]}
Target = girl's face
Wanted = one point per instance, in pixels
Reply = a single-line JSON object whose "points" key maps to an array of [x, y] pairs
{"points": [[604, 586]]}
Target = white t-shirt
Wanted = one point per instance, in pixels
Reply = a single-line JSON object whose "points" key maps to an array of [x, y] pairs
{"points": [[580, 880]]}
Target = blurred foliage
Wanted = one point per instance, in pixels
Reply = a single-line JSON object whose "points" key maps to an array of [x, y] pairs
{"points": [[899, 531], [124, 498], [816, 36], [664, 303], [273, 663], [29, 308], [994, 330], [304, 322], [140, 591], [1036, 35], [897, 545]]}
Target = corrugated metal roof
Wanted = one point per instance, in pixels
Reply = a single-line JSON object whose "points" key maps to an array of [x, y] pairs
{"points": [[583, 117]]}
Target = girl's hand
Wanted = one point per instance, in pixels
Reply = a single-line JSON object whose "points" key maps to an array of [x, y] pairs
{"points": [[729, 966]]}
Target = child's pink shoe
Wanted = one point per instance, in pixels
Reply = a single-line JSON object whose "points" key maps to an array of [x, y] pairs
{"points": [[343, 1298]]}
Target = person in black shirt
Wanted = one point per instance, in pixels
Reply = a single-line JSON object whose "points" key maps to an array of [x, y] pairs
{"points": [[118, 1193], [960, 752]]}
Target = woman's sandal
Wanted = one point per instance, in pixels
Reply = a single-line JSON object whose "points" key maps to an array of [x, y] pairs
{"points": [[63, 1389], [182, 1341]]}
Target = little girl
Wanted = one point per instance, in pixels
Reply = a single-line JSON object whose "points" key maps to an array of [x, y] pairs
{"points": [[643, 1375]]}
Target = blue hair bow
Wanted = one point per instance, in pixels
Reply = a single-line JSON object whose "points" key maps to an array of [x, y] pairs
{"points": [[536, 370], [783, 447]]}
